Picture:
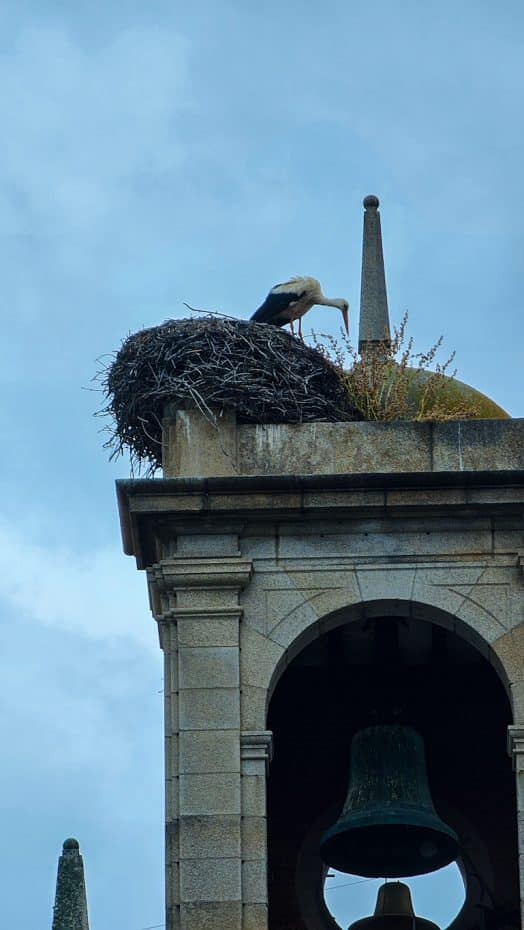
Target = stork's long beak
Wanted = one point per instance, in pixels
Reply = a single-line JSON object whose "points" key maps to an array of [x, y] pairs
{"points": [[345, 317]]}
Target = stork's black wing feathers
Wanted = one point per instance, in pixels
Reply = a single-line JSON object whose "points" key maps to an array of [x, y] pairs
{"points": [[276, 306]]}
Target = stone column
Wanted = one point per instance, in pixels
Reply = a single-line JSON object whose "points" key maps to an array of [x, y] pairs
{"points": [[516, 751], [196, 603]]}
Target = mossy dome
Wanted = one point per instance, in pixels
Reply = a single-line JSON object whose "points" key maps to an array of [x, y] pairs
{"points": [[454, 393]]}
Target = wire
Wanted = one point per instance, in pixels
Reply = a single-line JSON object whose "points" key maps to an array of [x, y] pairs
{"points": [[330, 888], [345, 884]]}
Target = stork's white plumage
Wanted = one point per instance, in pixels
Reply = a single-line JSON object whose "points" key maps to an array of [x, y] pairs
{"points": [[288, 302]]}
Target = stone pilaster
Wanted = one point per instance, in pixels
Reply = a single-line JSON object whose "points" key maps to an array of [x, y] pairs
{"points": [[516, 751], [196, 604], [255, 750]]}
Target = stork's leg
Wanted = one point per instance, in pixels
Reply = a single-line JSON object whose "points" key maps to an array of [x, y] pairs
{"points": [[292, 327], [300, 328]]}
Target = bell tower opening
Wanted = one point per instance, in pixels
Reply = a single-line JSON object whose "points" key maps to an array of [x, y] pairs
{"points": [[439, 896], [394, 671]]}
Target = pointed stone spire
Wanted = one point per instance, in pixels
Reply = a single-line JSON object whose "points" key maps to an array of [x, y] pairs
{"points": [[70, 910], [374, 314]]}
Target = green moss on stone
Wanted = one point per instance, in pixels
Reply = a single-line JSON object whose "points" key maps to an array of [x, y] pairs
{"points": [[454, 393]]}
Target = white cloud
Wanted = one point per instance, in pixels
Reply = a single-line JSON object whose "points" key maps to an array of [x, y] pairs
{"points": [[98, 595], [81, 671]]}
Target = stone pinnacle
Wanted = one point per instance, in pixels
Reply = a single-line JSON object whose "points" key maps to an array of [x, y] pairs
{"points": [[374, 314], [70, 910]]}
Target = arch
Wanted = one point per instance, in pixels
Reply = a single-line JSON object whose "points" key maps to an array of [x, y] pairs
{"points": [[297, 636], [470, 627]]}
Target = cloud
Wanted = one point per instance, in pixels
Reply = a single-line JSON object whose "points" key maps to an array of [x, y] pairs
{"points": [[81, 673], [79, 126], [98, 595]]}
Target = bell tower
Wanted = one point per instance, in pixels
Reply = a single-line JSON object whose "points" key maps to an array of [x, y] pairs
{"points": [[312, 584]]}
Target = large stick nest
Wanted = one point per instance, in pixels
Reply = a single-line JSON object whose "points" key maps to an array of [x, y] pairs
{"points": [[264, 373]]}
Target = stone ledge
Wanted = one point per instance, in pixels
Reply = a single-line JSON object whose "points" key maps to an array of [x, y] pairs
{"points": [[339, 448], [145, 503]]}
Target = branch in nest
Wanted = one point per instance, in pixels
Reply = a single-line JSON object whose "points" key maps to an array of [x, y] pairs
{"points": [[216, 362]]}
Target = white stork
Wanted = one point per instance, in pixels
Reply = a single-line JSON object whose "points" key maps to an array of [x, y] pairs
{"points": [[288, 302]]}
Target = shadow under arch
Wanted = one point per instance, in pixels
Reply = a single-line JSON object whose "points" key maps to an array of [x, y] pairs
{"points": [[360, 611], [311, 758]]}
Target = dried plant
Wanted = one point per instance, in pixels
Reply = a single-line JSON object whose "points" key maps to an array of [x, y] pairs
{"points": [[392, 382]]}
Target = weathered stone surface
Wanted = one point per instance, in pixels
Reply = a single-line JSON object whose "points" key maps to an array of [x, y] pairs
{"points": [[193, 445], [382, 538], [208, 667], [517, 703], [253, 796], [207, 545], [172, 790], [209, 708], [205, 600], [509, 648], [253, 703], [210, 793], [478, 445], [212, 915], [210, 880], [338, 448], [173, 921], [484, 623], [254, 882], [209, 751], [205, 837], [383, 583], [208, 631], [254, 838], [258, 659], [255, 917], [256, 546]]}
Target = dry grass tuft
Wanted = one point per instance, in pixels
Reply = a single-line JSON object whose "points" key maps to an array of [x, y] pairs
{"points": [[392, 382]]}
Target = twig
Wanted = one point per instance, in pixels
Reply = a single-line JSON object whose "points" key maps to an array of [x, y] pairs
{"points": [[221, 316]]}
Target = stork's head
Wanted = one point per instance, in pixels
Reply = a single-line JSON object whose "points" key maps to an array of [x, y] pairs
{"points": [[339, 302], [343, 306]]}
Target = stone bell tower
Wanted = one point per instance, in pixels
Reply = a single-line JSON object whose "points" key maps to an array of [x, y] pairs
{"points": [[303, 577]]}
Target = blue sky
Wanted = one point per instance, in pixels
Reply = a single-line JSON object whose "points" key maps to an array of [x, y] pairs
{"points": [[161, 152]]}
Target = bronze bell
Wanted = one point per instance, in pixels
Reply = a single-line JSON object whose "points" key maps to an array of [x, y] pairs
{"points": [[394, 911], [388, 826]]}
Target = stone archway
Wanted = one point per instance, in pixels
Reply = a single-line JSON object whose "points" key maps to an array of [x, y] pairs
{"points": [[465, 720]]}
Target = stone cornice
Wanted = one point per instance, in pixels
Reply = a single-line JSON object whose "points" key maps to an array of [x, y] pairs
{"points": [[146, 504], [515, 742], [195, 573], [256, 745]]}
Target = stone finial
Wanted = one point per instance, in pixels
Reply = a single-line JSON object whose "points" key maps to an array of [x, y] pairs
{"points": [[374, 314], [70, 910]]}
